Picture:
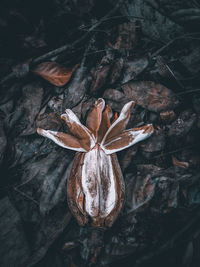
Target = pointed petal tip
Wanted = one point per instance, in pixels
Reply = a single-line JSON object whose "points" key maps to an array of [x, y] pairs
{"points": [[100, 103], [40, 131], [130, 104], [148, 128], [127, 107], [63, 116]]}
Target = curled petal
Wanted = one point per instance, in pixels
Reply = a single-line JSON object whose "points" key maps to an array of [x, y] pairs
{"points": [[78, 129], [62, 139], [127, 138], [120, 123], [94, 118]]}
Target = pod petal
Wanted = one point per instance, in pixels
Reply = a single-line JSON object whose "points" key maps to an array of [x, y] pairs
{"points": [[120, 123], [127, 138], [94, 118], [78, 129], [62, 139]]}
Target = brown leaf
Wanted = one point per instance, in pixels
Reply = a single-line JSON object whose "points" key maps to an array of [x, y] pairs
{"points": [[150, 95], [180, 164], [167, 116], [140, 191], [124, 36], [116, 70], [54, 73], [99, 78]]}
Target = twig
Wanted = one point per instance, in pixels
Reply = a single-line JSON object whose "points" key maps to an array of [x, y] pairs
{"points": [[67, 46], [25, 195], [174, 151], [184, 36]]}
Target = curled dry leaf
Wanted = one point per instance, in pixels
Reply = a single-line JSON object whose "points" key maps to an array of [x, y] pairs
{"points": [[179, 163], [54, 73], [150, 95]]}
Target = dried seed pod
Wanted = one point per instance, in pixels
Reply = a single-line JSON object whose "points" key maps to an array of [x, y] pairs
{"points": [[95, 185]]}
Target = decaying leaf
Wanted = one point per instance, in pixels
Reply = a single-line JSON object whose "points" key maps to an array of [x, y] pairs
{"points": [[140, 190], [167, 116], [99, 78], [157, 144], [183, 124], [116, 70], [124, 36], [49, 121], [54, 73], [115, 98], [76, 89], [150, 95], [134, 67]]}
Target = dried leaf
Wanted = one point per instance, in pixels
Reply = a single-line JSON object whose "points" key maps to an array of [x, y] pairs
{"points": [[124, 36], [99, 78], [183, 124], [180, 164], [49, 121], [134, 67], [155, 143], [139, 192], [116, 70], [167, 116], [76, 89], [115, 99], [150, 95], [54, 73]]}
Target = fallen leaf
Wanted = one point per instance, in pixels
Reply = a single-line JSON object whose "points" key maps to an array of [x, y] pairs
{"points": [[54, 73], [134, 67], [99, 78], [116, 70], [150, 95], [167, 116], [124, 36], [178, 163], [139, 192]]}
